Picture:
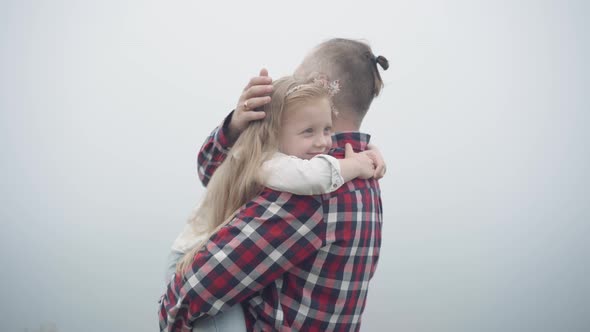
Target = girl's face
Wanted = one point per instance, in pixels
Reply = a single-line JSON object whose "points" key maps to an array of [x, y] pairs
{"points": [[307, 130]]}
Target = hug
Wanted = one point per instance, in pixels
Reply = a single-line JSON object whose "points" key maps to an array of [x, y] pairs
{"points": [[287, 237]]}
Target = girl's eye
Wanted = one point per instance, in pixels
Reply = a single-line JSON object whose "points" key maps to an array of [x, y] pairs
{"points": [[328, 130], [308, 131]]}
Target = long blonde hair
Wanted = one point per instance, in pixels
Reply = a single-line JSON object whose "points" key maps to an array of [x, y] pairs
{"points": [[239, 178]]}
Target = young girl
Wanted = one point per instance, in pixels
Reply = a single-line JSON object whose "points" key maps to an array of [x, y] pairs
{"points": [[286, 152]]}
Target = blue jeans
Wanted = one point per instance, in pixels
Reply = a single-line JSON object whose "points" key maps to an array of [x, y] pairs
{"points": [[231, 320]]}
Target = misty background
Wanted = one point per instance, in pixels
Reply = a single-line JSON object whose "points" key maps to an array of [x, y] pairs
{"points": [[483, 123]]}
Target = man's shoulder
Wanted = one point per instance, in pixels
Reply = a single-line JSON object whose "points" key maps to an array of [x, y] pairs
{"points": [[358, 187], [281, 203], [336, 152], [295, 204]]}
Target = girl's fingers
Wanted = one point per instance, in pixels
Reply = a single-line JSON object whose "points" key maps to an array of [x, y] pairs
{"points": [[380, 169], [378, 172], [348, 152]]}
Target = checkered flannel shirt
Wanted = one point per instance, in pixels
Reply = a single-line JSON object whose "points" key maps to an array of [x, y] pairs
{"points": [[295, 263]]}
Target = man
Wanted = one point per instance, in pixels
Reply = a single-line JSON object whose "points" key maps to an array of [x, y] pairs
{"points": [[293, 262]]}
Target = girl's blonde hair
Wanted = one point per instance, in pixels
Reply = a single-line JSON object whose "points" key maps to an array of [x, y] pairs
{"points": [[239, 179]]}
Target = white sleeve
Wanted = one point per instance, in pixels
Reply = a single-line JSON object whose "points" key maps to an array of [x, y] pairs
{"points": [[186, 239], [171, 261], [184, 242], [319, 175]]}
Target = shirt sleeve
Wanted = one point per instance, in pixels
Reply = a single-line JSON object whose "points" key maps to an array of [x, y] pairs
{"points": [[319, 175], [213, 151], [266, 238]]}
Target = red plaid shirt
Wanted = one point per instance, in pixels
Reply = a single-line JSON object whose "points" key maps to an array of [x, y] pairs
{"points": [[293, 262]]}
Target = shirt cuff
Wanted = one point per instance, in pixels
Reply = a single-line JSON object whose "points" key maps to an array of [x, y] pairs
{"points": [[336, 174], [222, 134]]}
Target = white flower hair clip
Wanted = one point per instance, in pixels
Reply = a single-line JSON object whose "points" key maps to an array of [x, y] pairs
{"points": [[333, 87]]}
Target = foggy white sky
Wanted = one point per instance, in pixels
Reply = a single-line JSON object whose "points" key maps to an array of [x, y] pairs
{"points": [[483, 123]]}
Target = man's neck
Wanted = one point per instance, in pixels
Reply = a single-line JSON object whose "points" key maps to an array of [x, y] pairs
{"points": [[344, 123]]}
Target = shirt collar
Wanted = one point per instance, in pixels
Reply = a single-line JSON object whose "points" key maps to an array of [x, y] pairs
{"points": [[357, 139]]}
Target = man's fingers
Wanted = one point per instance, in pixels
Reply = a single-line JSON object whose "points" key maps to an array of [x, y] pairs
{"points": [[257, 102], [263, 72], [258, 80], [258, 91], [253, 116]]}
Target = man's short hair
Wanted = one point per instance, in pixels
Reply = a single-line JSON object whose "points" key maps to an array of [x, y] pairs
{"points": [[354, 65]]}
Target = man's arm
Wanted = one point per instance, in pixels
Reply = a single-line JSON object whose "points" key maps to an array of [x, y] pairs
{"points": [[249, 108], [213, 152], [267, 237]]}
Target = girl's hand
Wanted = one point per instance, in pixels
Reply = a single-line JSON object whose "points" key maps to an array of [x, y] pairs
{"points": [[365, 165], [255, 94], [375, 154]]}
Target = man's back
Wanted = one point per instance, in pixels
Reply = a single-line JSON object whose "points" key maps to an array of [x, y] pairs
{"points": [[293, 262], [327, 290]]}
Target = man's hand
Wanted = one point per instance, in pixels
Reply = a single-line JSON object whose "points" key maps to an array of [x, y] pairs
{"points": [[255, 95]]}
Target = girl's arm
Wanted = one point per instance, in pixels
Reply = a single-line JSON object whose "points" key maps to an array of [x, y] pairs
{"points": [[320, 175]]}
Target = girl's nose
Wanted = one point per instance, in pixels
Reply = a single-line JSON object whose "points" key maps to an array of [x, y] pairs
{"points": [[321, 141]]}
